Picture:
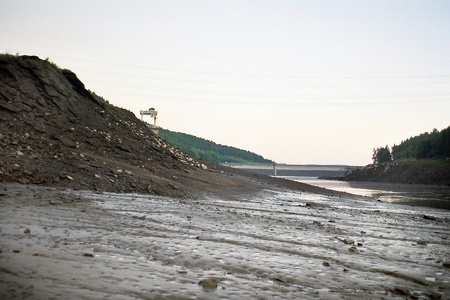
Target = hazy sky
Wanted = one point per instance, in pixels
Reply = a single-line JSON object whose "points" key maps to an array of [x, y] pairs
{"points": [[295, 81]]}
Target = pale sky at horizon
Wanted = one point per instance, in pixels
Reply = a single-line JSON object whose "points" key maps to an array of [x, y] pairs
{"points": [[300, 82]]}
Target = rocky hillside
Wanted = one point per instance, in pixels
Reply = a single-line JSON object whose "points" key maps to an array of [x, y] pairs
{"points": [[53, 132], [423, 171]]}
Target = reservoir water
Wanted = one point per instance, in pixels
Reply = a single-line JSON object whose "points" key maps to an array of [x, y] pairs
{"points": [[408, 194]]}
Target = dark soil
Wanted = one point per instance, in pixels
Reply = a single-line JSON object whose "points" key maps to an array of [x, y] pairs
{"points": [[54, 133]]}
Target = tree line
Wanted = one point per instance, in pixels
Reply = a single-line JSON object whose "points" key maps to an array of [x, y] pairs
{"points": [[209, 151], [435, 144]]}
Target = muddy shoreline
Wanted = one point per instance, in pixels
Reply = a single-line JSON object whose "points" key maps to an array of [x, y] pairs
{"points": [[265, 244]]}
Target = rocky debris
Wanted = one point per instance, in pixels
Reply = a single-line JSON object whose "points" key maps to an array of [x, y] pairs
{"points": [[427, 217], [348, 241], [421, 243], [353, 249], [316, 205], [209, 283], [52, 127]]}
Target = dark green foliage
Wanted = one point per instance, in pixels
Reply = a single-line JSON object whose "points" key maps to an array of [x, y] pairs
{"points": [[381, 155], [426, 145], [208, 150]]}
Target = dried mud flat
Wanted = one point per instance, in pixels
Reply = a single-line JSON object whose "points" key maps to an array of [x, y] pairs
{"points": [[67, 244]]}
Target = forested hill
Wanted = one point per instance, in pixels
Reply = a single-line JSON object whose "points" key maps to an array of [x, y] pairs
{"points": [[426, 145], [422, 159], [209, 151], [435, 144]]}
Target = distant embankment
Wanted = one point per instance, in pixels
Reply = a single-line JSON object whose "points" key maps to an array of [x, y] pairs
{"points": [[295, 170], [420, 171]]}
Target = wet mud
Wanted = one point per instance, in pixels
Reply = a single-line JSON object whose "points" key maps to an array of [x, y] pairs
{"points": [[72, 244]]}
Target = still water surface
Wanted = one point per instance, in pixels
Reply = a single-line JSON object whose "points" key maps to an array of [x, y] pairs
{"points": [[416, 195]]}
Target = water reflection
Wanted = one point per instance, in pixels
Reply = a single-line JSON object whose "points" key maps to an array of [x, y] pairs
{"points": [[416, 195]]}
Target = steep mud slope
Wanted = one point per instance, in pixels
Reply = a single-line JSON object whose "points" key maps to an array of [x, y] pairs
{"points": [[53, 132]]}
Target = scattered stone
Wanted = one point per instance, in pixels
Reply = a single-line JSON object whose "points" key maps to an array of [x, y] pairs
{"points": [[427, 217], [88, 255], [353, 250], [16, 250], [128, 172], [27, 231], [209, 283], [19, 153], [349, 241], [97, 176], [67, 142], [421, 243], [23, 181], [326, 264], [69, 177]]}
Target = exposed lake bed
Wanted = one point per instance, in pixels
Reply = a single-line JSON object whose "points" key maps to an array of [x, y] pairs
{"points": [[274, 244]]}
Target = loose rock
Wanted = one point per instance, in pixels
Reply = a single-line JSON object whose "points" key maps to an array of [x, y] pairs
{"points": [[209, 283]]}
